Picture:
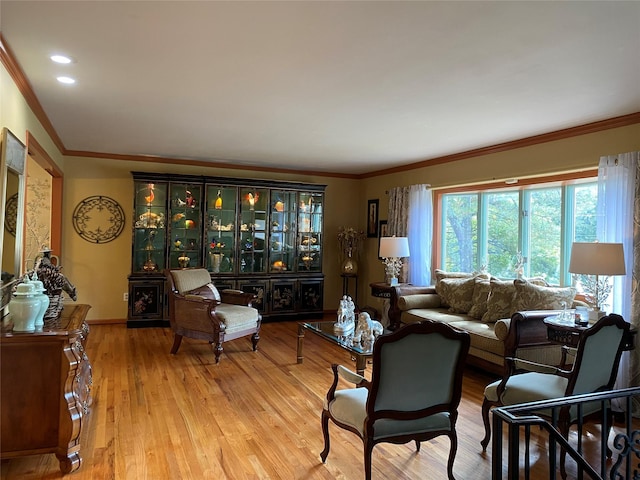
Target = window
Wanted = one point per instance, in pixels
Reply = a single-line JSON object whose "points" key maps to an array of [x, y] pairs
{"points": [[494, 228]]}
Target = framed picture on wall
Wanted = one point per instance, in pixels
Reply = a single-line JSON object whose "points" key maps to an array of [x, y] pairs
{"points": [[384, 232], [372, 218]]}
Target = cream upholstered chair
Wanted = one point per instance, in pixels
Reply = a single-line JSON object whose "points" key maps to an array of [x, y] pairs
{"points": [[413, 394], [595, 369], [198, 310]]}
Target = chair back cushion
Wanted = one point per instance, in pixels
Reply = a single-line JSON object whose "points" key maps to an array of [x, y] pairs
{"points": [[598, 356], [416, 368], [190, 279]]}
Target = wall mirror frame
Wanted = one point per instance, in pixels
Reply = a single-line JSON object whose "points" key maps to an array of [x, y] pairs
{"points": [[12, 194]]}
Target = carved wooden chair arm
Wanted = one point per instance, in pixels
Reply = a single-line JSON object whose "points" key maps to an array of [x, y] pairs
{"points": [[342, 372], [237, 297]]}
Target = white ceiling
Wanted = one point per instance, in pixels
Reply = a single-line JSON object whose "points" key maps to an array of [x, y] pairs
{"points": [[343, 87]]}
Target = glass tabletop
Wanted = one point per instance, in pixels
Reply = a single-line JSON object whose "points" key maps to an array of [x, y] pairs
{"points": [[343, 339]]}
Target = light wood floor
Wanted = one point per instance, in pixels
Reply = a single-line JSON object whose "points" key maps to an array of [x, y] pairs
{"points": [[255, 415]]}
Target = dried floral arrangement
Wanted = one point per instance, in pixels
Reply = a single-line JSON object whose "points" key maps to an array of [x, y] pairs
{"points": [[349, 240]]}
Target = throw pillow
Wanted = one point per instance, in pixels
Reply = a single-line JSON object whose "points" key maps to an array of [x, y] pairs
{"points": [[534, 297], [500, 301], [457, 293], [208, 291], [479, 299], [441, 275]]}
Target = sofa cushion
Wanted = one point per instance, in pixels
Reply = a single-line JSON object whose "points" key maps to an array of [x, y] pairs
{"points": [[208, 291], [457, 293], [500, 301], [534, 297], [482, 335], [479, 299]]}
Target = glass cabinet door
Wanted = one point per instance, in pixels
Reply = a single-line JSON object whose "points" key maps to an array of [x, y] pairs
{"points": [[185, 249], [221, 216], [253, 229], [149, 227], [282, 238], [310, 232]]}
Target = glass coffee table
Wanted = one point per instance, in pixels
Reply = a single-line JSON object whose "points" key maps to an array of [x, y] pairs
{"points": [[360, 352]]}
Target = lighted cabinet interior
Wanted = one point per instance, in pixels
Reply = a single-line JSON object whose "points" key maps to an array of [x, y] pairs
{"points": [[252, 235]]}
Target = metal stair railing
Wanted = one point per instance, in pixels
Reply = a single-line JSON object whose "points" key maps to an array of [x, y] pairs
{"points": [[520, 418]]}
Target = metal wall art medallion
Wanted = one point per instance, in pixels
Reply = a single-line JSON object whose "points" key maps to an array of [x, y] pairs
{"points": [[98, 219], [11, 214]]}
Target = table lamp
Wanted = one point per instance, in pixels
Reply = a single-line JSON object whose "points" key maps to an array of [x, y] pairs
{"points": [[393, 249], [596, 260]]}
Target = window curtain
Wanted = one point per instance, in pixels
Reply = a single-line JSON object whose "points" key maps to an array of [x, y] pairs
{"points": [[617, 222], [411, 216]]}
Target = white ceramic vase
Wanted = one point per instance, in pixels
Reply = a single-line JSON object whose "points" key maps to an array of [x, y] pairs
{"points": [[44, 304], [24, 308]]}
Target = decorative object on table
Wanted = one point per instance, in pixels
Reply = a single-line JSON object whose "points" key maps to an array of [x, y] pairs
{"points": [[595, 263], [24, 308], [372, 218], [367, 329], [393, 249], [346, 315], [350, 240], [55, 284], [98, 219], [518, 266], [44, 301]]}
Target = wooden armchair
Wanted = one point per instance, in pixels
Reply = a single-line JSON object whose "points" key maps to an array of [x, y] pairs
{"points": [[197, 310]]}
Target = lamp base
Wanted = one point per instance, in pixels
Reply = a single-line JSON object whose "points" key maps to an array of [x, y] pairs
{"points": [[393, 281]]}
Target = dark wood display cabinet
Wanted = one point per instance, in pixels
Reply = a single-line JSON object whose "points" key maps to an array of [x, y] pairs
{"points": [[257, 236]]}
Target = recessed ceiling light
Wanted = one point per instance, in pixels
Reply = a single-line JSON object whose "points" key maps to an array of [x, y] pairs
{"points": [[67, 80], [61, 59]]}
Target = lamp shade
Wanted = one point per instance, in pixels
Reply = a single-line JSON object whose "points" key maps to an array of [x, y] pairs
{"points": [[394, 247], [597, 259]]}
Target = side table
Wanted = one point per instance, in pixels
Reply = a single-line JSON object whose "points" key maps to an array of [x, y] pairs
{"points": [[383, 290], [569, 334]]}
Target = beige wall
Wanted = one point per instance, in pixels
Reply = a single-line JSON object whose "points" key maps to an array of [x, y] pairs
{"points": [[100, 271]]}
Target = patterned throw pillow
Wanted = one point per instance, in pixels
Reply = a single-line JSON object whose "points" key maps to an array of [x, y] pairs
{"points": [[479, 299], [457, 293], [208, 291], [441, 275], [500, 301], [533, 297]]}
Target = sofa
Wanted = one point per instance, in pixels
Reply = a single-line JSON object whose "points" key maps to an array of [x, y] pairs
{"points": [[503, 318]]}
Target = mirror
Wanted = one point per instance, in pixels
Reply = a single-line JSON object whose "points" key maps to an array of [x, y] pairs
{"points": [[12, 184]]}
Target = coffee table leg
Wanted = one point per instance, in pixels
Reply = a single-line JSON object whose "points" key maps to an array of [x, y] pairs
{"points": [[361, 364], [300, 342]]}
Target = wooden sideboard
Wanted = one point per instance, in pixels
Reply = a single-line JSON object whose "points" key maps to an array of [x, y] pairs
{"points": [[45, 389]]}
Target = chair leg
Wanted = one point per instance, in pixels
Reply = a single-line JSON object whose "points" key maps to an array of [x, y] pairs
{"points": [[255, 338], [368, 449], [486, 408], [177, 340], [217, 349], [325, 433], [452, 454]]}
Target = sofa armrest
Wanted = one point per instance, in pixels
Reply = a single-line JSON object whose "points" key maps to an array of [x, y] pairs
{"points": [[419, 300], [395, 312]]}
